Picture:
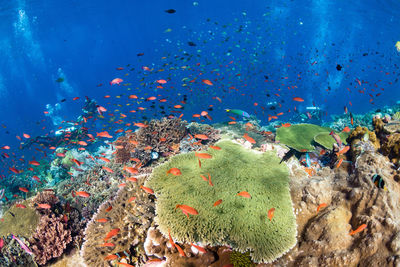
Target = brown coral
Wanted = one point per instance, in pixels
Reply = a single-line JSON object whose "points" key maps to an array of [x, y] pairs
{"points": [[45, 197], [132, 212], [50, 239]]}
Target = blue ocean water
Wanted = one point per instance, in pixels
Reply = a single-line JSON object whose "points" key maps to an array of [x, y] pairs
{"points": [[258, 55]]}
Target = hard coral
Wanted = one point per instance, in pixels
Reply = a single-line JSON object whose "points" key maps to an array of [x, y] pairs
{"points": [[131, 211], [238, 221], [50, 239]]}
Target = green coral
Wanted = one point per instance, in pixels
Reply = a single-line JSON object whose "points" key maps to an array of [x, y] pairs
{"points": [[239, 222], [327, 141], [300, 136], [241, 259], [19, 221]]}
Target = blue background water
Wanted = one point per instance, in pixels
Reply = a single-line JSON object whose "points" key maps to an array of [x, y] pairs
{"points": [[84, 42]]}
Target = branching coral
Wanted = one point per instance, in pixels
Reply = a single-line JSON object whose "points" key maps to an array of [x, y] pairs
{"points": [[50, 239], [238, 221], [131, 211]]}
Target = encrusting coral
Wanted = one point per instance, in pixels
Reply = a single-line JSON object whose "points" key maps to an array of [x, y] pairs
{"points": [[238, 221], [131, 211], [299, 136]]}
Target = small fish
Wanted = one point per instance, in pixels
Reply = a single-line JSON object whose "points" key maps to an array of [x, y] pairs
{"points": [[201, 249], [22, 206], [170, 11], [215, 147], [107, 245], [174, 171], [216, 203], [102, 220], [244, 194], [23, 189], [131, 170], [187, 210], [171, 241], [298, 99], [181, 252], [343, 151], [208, 82], [44, 206], [378, 181], [202, 155], [346, 129], [339, 163], [320, 206], [112, 233], [249, 139], [359, 229], [82, 194], [23, 246], [148, 190], [271, 213], [34, 163], [104, 134], [336, 137], [201, 136], [110, 257], [108, 169], [131, 179], [116, 81]]}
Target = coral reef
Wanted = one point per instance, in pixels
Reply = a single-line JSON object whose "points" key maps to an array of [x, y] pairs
{"points": [[299, 136], [241, 259], [232, 169], [12, 255], [132, 212], [389, 136], [50, 239], [348, 202], [327, 141]]}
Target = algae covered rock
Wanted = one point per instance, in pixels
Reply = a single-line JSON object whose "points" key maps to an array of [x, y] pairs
{"points": [[327, 141], [19, 221], [239, 222], [300, 136]]}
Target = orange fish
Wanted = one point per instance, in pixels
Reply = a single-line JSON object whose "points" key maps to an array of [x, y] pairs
{"points": [[161, 81], [104, 134], [208, 82], [248, 138], [82, 193], [125, 264], [112, 233], [178, 106], [104, 159], [107, 169], [201, 136], [199, 162], [102, 220], [286, 124], [141, 125], [151, 98], [131, 199], [232, 122], [148, 190], [131, 170], [23, 189], [359, 229], [44, 206], [107, 245], [116, 81], [343, 151], [20, 206], [271, 213], [216, 203], [298, 99], [82, 143], [174, 171], [133, 97], [34, 163], [110, 257], [346, 129], [131, 179], [203, 177], [181, 252], [26, 135], [187, 210], [203, 155], [201, 249], [215, 147], [109, 208], [244, 194], [171, 241], [339, 163], [320, 206]]}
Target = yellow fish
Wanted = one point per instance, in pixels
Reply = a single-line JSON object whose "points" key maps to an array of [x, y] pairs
{"points": [[398, 46]]}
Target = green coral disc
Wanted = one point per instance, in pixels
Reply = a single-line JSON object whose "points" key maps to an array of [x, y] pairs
{"points": [[299, 136], [327, 141], [238, 221]]}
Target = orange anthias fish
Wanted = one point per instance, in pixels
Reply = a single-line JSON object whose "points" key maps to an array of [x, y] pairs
{"points": [[181, 252], [22, 206], [320, 206], [107, 245], [34, 163], [219, 201], [102, 220], [339, 163], [187, 210], [203, 155], [23, 189], [116, 81], [148, 190], [244, 194], [112, 233], [82, 193], [298, 99], [174, 171], [346, 129], [44, 206], [271, 213], [141, 125], [201, 249], [110, 257], [248, 138], [201, 136], [343, 151], [359, 229], [107, 169], [208, 82], [215, 147], [171, 241], [104, 134]]}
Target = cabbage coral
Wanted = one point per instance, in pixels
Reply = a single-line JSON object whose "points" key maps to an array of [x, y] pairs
{"points": [[239, 222]]}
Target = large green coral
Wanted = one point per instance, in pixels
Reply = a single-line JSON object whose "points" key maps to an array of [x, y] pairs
{"points": [[327, 141], [238, 221], [300, 136]]}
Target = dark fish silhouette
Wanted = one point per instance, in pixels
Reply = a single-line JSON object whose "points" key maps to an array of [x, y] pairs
{"points": [[170, 11]]}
